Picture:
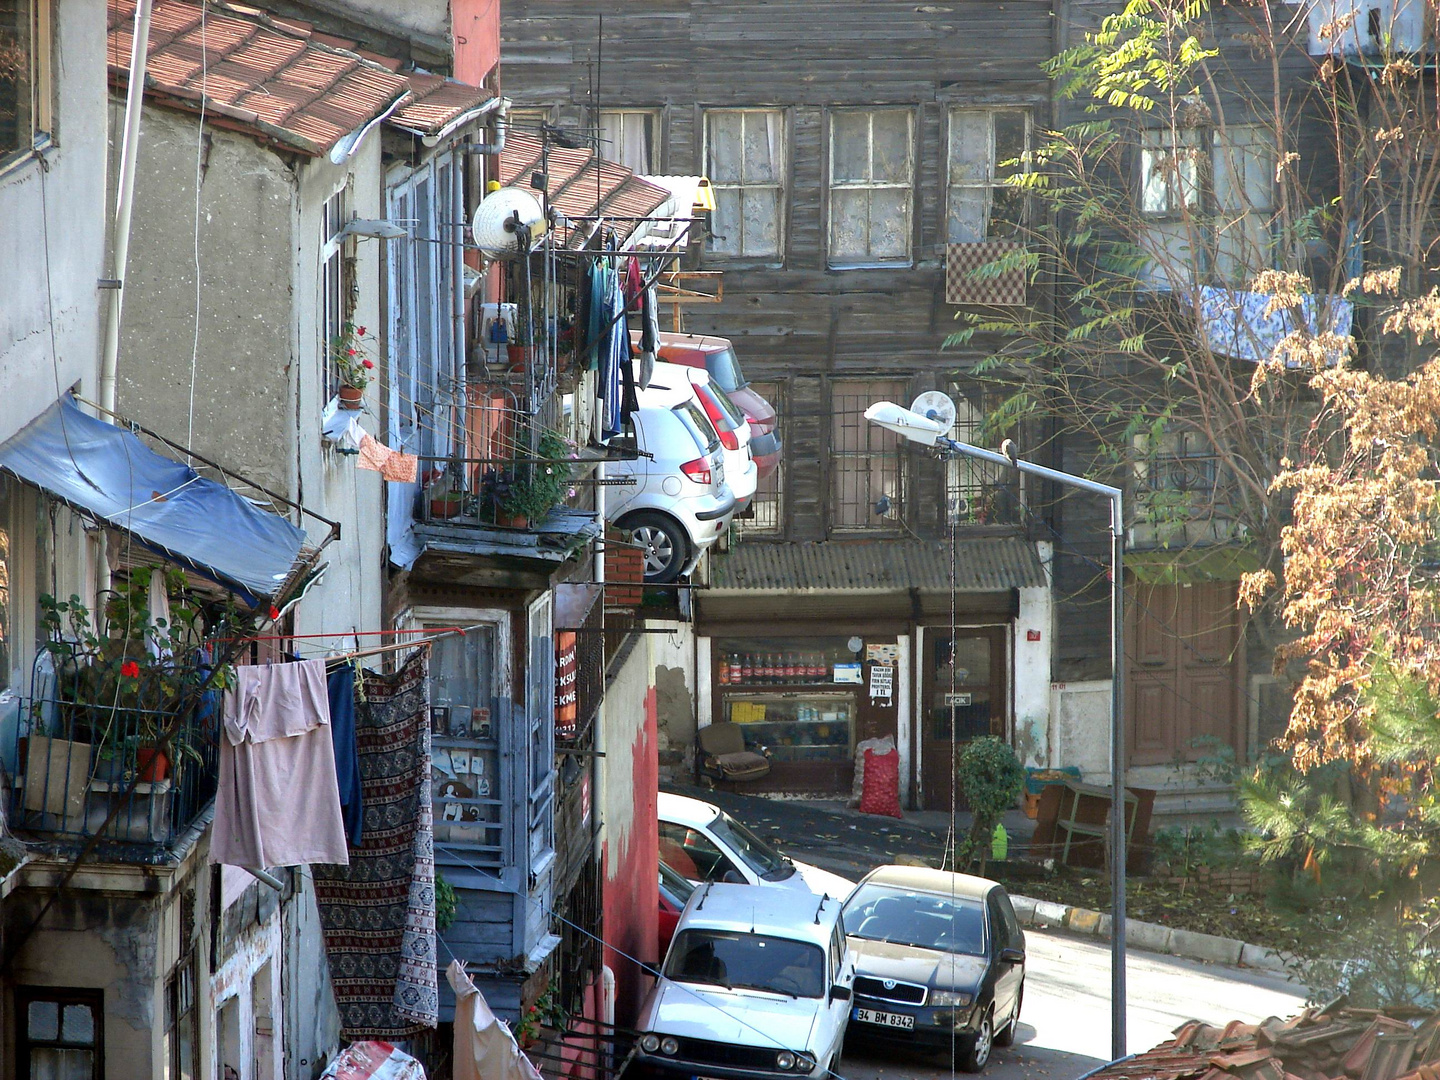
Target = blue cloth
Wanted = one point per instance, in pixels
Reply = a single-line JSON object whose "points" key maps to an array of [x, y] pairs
{"points": [[341, 685], [615, 356], [1235, 324]]}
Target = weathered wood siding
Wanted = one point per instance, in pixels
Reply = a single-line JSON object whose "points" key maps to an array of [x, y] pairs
{"points": [[800, 321]]}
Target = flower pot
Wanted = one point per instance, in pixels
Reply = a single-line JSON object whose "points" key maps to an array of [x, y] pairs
{"points": [[352, 397], [154, 765], [445, 508], [511, 521], [518, 355]]}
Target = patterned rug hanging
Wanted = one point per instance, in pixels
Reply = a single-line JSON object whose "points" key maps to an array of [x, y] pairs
{"points": [[379, 912]]}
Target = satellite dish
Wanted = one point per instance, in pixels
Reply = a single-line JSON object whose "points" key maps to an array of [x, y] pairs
{"points": [[507, 223], [934, 405]]}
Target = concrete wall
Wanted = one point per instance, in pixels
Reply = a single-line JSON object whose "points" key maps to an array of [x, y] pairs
{"points": [[65, 199], [1080, 729], [1031, 670]]}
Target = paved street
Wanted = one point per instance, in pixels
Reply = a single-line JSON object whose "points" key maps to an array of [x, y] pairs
{"points": [[1065, 1027]]}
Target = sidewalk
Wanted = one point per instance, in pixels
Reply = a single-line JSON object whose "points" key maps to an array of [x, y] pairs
{"points": [[834, 837]]}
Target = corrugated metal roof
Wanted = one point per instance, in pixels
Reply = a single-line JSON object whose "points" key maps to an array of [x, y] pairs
{"points": [[985, 564], [580, 185], [436, 103], [270, 77]]}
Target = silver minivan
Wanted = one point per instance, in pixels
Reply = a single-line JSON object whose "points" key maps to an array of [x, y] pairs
{"points": [[680, 503]]}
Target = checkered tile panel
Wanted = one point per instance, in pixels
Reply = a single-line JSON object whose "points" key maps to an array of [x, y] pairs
{"points": [[960, 288]]}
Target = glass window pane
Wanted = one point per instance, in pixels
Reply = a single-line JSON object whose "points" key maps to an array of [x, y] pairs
{"points": [[850, 146], [1009, 140], [1154, 192], [890, 223], [77, 1024], [1007, 212], [967, 215], [44, 1018], [725, 148], [849, 223], [761, 216], [762, 147], [726, 235], [15, 88], [891, 152], [51, 1064], [969, 146]]}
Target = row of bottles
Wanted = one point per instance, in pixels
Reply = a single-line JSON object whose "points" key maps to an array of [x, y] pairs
{"points": [[766, 668]]}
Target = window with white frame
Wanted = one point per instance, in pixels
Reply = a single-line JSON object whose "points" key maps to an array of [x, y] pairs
{"points": [[337, 301], [1171, 171], [629, 137], [25, 74], [986, 148], [1244, 177], [871, 195], [745, 161]]}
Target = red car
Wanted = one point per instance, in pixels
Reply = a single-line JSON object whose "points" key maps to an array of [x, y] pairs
{"points": [[717, 356], [675, 890]]}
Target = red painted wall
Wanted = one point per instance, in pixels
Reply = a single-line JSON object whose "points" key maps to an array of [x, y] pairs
{"points": [[631, 896], [476, 26]]}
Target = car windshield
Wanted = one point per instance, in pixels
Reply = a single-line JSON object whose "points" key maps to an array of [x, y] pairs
{"points": [[751, 961], [758, 855], [924, 920], [724, 368], [675, 886]]}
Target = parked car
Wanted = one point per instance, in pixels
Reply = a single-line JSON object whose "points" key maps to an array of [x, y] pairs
{"points": [[703, 843], [939, 962], [680, 503], [675, 890], [730, 425], [716, 355], [754, 985]]}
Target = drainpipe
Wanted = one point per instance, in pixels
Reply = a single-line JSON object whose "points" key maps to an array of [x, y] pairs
{"points": [[599, 775], [124, 201]]}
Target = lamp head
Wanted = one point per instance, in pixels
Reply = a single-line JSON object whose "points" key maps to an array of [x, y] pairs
{"points": [[372, 228], [905, 423]]}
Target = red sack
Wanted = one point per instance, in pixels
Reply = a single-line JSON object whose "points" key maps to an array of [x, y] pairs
{"points": [[881, 791]]}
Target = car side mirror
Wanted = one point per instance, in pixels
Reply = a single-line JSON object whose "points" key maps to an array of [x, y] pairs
{"points": [[839, 993], [1012, 956]]}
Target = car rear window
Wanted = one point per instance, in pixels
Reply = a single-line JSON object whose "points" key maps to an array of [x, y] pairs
{"points": [[724, 368], [728, 407], [699, 426]]}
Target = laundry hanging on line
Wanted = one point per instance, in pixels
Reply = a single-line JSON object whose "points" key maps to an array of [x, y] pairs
{"points": [[393, 465]]}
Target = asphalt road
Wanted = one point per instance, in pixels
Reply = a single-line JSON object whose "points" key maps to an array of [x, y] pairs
{"points": [[1065, 1025]]}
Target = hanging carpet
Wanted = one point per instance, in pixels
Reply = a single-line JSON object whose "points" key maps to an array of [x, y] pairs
{"points": [[378, 913]]}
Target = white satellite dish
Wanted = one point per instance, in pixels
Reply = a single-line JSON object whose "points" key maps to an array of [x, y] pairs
{"points": [[503, 218], [934, 405]]}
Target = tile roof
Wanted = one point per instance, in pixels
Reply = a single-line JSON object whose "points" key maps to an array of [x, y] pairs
{"points": [[580, 185], [1327, 1043], [985, 564], [437, 103], [270, 77]]}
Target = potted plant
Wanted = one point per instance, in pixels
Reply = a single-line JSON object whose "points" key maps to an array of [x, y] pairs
{"points": [[353, 366], [529, 494]]}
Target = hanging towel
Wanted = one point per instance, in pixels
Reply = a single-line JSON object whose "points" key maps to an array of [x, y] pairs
{"points": [[484, 1048], [392, 465], [378, 913], [649, 336], [634, 283], [278, 803], [616, 355], [341, 683]]}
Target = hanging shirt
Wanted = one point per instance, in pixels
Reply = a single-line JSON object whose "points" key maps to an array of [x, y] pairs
{"points": [[649, 336], [616, 356], [278, 802], [484, 1048], [341, 692]]}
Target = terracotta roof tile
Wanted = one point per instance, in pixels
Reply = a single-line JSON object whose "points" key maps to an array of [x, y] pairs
{"points": [[436, 102], [273, 77]]}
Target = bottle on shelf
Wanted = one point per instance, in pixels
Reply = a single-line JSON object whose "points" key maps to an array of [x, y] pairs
{"points": [[747, 668], [724, 670], [790, 667]]}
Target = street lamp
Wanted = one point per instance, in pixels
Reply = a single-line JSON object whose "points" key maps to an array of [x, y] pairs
{"points": [[929, 423]]}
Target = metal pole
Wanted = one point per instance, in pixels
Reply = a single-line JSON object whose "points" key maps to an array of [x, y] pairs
{"points": [[1117, 711]]}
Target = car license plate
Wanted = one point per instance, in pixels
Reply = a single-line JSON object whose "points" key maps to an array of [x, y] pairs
{"points": [[884, 1019]]}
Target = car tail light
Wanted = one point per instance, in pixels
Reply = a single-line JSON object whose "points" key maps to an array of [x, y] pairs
{"points": [[697, 470], [762, 427], [723, 427]]}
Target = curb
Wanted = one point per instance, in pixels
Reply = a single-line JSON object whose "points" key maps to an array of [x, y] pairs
{"points": [[1150, 937]]}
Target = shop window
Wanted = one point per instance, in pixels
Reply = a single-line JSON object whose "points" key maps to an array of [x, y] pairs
{"points": [[767, 508], [182, 1039], [59, 1033], [745, 161], [871, 186], [25, 74], [866, 461], [337, 298], [627, 137], [987, 146]]}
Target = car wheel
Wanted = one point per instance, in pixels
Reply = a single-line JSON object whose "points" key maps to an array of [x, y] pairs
{"points": [[663, 545], [1007, 1037], [977, 1054]]}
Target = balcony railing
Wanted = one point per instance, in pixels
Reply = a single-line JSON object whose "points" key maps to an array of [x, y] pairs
{"points": [[128, 759]]}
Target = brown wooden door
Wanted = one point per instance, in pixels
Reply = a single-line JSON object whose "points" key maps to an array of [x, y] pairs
{"points": [[977, 707], [1185, 671]]}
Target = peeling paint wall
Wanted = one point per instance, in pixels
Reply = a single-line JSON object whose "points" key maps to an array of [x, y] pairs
{"points": [[1081, 712], [1035, 620]]}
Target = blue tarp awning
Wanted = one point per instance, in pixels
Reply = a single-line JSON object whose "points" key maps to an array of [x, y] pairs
{"points": [[107, 473]]}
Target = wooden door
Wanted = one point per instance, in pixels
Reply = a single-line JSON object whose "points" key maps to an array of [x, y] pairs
{"points": [[1183, 692], [977, 705]]}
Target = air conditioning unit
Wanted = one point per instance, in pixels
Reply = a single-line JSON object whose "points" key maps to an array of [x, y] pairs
{"points": [[1363, 28]]}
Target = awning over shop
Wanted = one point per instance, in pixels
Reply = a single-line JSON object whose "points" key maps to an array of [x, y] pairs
{"points": [[108, 474], [985, 564]]}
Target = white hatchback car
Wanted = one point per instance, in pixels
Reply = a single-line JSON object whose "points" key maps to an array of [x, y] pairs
{"points": [[755, 984], [731, 427], [701, 842]]}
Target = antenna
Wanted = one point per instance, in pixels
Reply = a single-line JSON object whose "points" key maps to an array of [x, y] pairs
{"points": [[704, 892], [823, 897]]}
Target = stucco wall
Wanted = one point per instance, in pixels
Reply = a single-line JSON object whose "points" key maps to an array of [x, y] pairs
{"points": [[1032, 669], [67, 200], [1081, 727]]}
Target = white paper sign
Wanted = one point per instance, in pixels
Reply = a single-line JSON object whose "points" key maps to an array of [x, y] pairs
{"points": [[882, 681]]}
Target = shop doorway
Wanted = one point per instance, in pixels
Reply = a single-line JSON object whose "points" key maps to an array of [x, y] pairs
{"points": [[964, 695]]}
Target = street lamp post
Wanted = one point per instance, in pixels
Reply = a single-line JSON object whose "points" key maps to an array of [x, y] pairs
{"points": [[929, 431]]}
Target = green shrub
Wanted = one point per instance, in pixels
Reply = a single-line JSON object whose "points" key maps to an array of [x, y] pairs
{"points": [[991, 777]]}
